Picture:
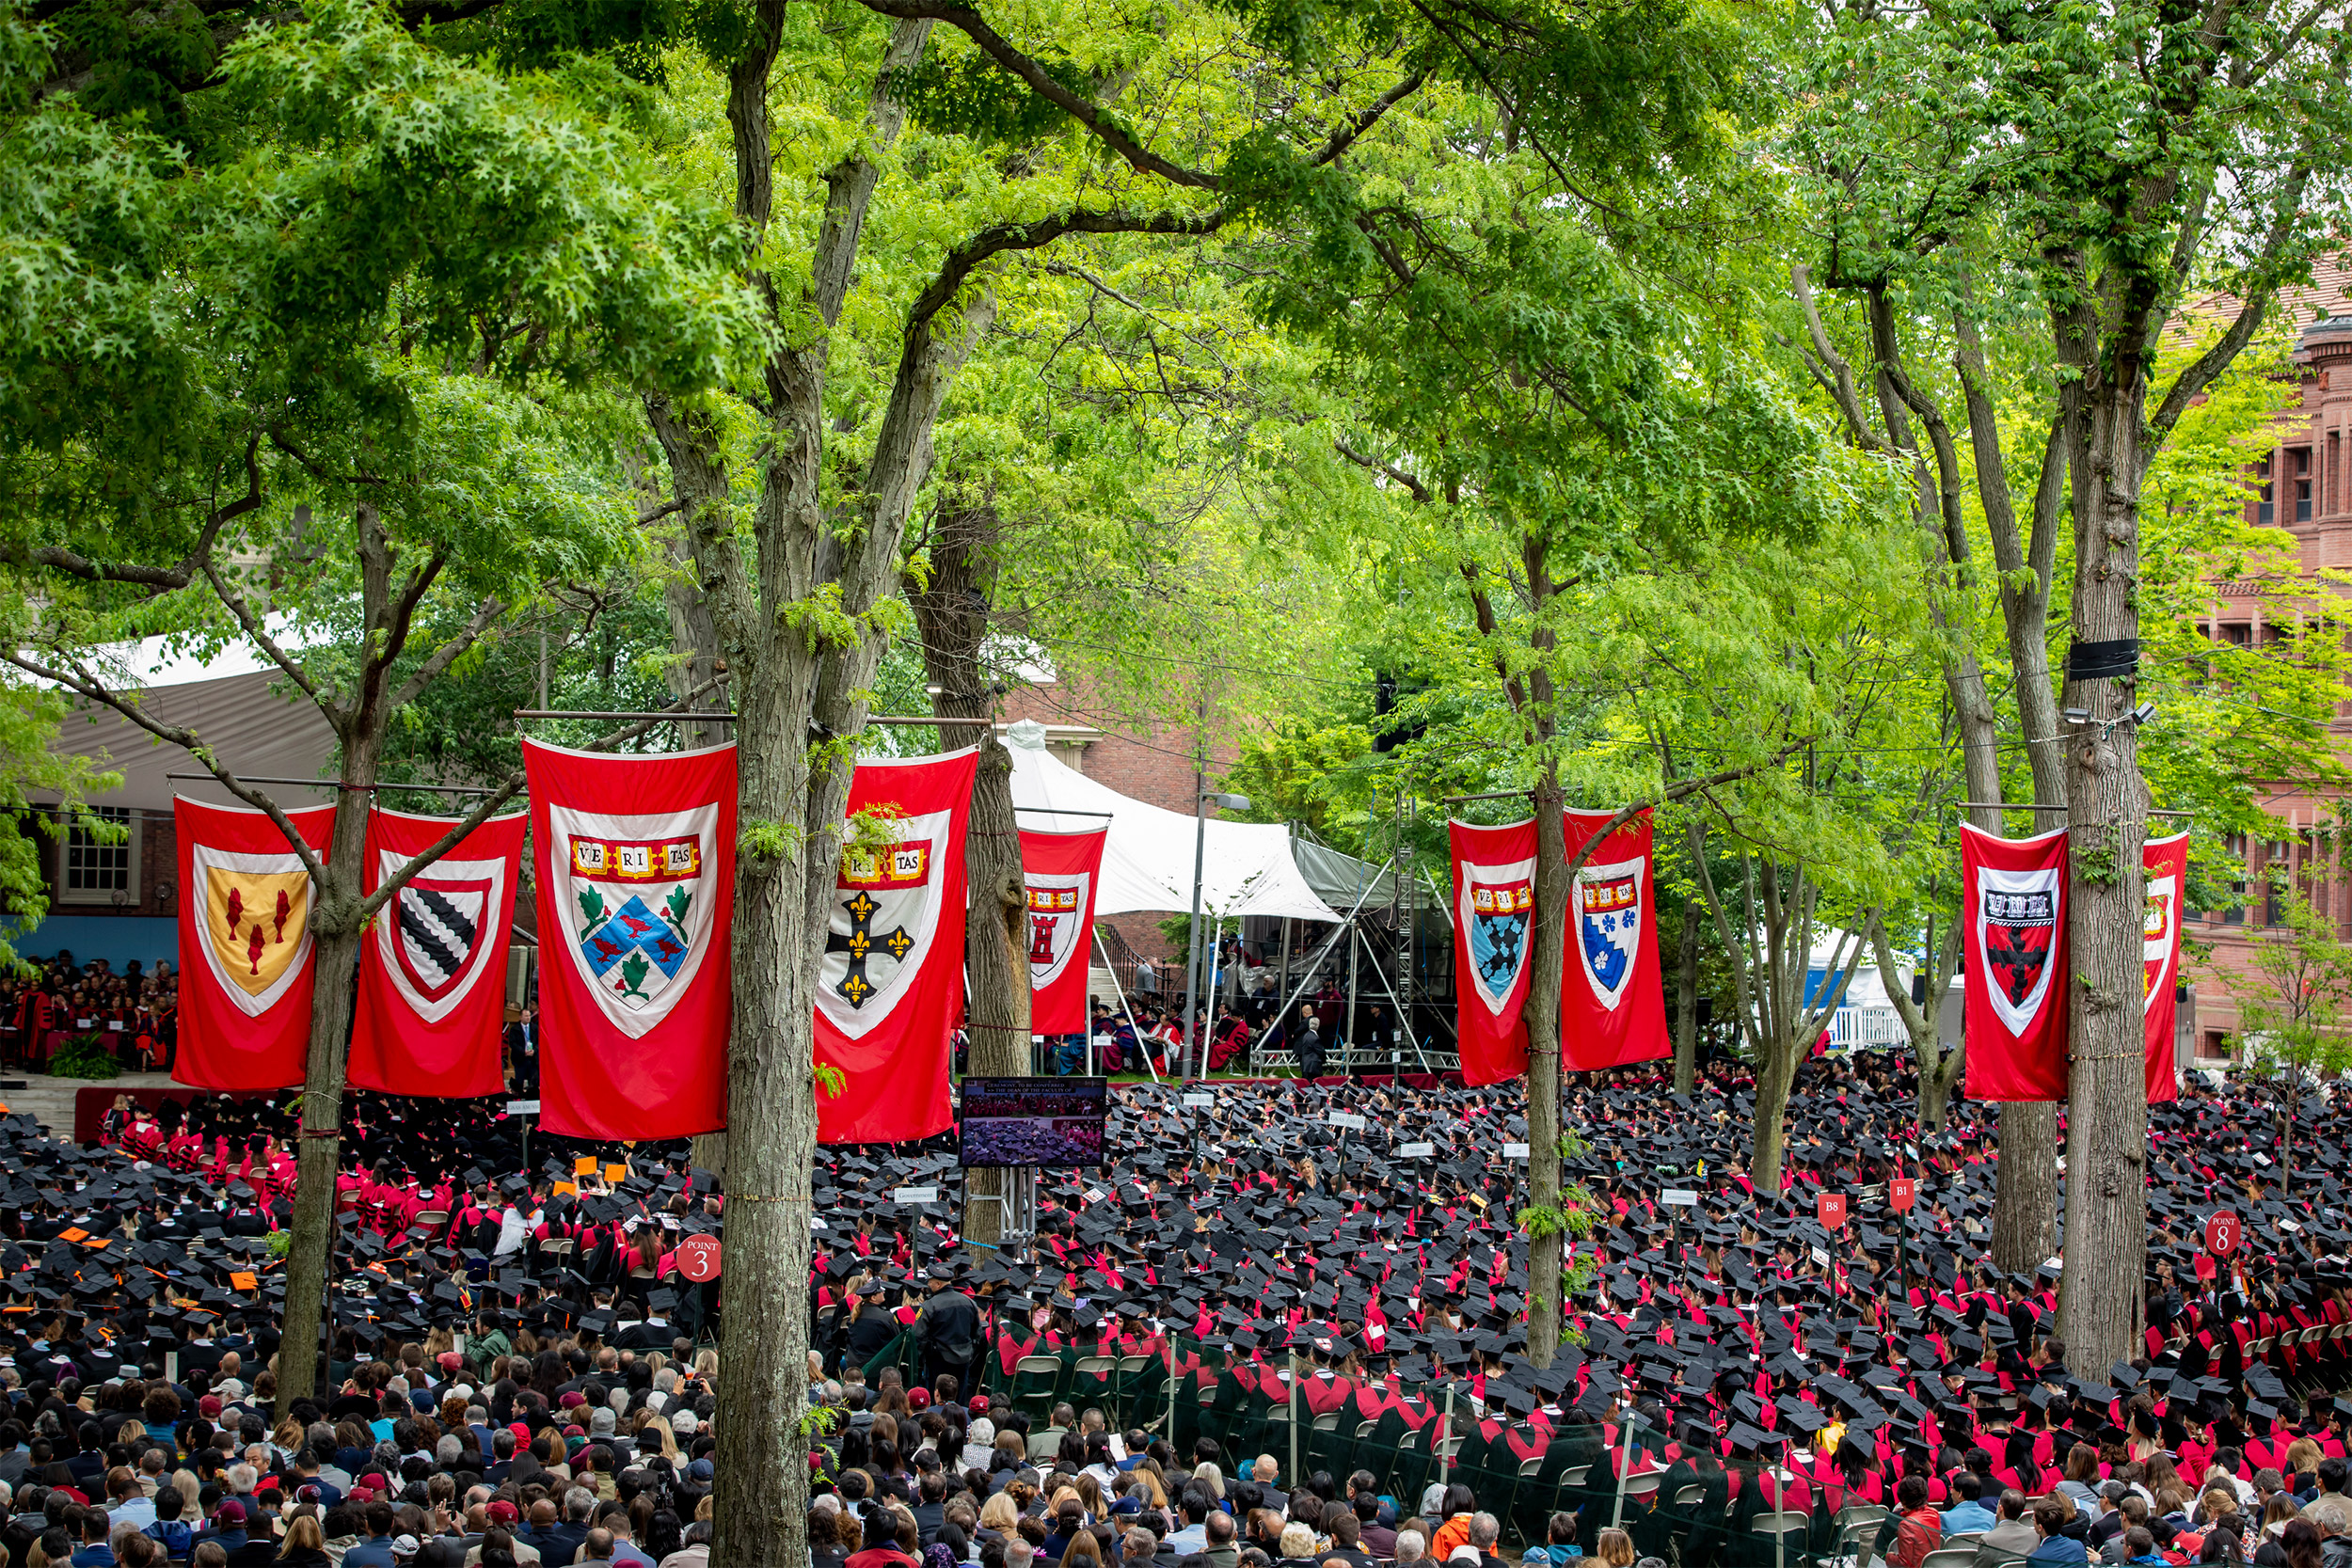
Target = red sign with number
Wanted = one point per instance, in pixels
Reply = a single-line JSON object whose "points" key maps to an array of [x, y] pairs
{"points": [[698, 1258], [1902, 1193], [1830, 1208], [2223, 1232]]}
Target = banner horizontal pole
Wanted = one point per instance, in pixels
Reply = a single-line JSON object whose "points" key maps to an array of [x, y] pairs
{"points": [[665, 715], [2027, 805], [1057, 811]]}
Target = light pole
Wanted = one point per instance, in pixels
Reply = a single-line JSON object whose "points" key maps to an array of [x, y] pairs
{"points": [[1196, 952]]}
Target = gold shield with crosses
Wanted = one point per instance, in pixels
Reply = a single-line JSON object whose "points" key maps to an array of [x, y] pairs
{"points": [[255, 922]]}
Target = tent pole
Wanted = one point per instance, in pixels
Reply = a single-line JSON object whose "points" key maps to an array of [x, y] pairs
{"points": [[1355, 984], [1113, 972], [1345, 922]]}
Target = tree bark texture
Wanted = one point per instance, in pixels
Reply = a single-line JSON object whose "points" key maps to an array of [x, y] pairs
{"points": [[1687, 985], [2024, 1187], [1546, 960], [2106, 1121], [951, 613]]}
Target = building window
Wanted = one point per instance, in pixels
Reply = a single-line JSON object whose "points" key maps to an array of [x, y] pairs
{"points": [[2300, 461], [92, 871]]}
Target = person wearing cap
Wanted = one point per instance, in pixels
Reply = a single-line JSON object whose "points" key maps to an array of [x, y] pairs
{"points": [[947, 1329]]}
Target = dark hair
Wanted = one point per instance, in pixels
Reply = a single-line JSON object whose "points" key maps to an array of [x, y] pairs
{"points": [[2301, 1541]]}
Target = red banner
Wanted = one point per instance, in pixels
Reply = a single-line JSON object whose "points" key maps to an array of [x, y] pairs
{"points": [[1061, 872], [244, 946], [2165, 863], [432, 968], [2014, 942], [1612, 1006], [634, 859], [890, 984], [1494, 907]]}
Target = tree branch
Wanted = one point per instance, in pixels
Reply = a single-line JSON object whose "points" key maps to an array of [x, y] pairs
{"points": [[999, 238], [1344, 137], [447, 654], [77, 679], [1841, 380], [161, 579], [1365, 460], [1105, 128], [277, 655]]}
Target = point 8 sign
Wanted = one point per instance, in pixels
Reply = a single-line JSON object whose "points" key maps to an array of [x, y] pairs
{"points": [[2224, 1232]]}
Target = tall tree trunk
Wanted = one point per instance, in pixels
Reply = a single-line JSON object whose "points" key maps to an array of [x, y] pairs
{"points": [[336, 930], [1546, 961], [1687, 984], [951, 613], [1775, 1071], [2024, 1187], [338, 924], [2106, 1132], [698, 484]]}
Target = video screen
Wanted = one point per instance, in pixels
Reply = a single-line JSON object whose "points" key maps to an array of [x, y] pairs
{"points": [[1052, 1122]]}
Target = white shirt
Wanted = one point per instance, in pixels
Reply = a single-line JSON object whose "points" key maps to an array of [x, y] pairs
{"points": [[513, 1229]]}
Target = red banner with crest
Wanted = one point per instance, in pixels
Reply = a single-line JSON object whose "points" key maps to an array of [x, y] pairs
{"points": [[246, 956], [2013, 962], [432, 966], [636, 909], [2166, 863], [890, 983], [1612, 1002], [1061, 873], [1494, 911]]}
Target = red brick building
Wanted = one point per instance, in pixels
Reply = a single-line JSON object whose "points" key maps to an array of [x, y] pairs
{"points": [[1140, 757], [2301, 489]]}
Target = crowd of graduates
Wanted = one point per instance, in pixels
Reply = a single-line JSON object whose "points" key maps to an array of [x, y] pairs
{"points": [[1289, 1326]]}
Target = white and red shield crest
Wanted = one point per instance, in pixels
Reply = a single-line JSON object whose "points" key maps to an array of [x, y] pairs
{"points": [[886, 911], [2159, 932], [1608, 903], [1498, 904], [1056, 915], [2016, 920], [434, 934], [637, 894]]}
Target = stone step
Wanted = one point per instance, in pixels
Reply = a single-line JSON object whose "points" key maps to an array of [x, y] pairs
{"points": [[50, 1099]]}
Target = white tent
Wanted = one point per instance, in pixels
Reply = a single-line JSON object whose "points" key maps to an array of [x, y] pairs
{"points": [[1147, 865]]}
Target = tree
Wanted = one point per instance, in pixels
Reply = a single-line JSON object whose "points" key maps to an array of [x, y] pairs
{"points": [[1768, 922], [2298, 1028], [375, 302], [1984, 167], [1020, 148]]}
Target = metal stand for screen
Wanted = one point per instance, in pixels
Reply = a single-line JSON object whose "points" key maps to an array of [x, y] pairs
{"points": [[1016, 1209]]}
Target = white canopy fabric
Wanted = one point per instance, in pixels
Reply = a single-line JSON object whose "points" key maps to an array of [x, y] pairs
{"points": [[1247, 867]]}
